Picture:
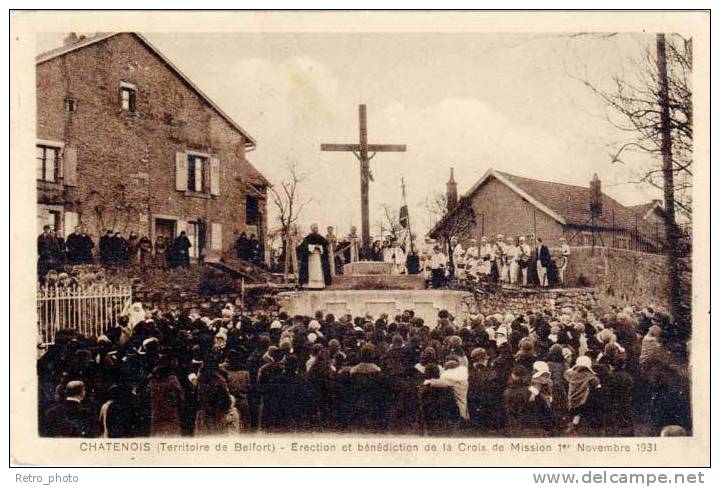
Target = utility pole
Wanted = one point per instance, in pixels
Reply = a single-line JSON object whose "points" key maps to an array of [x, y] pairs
{"points": [[668, 186]]}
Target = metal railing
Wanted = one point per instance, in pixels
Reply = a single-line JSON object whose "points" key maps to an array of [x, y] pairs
{"points": [[86, 309]]}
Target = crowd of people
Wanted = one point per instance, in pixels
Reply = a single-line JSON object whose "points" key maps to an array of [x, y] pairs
{"points": [[250, 249], [544, 372], [517, 261], [114, 250], [522, 260]]}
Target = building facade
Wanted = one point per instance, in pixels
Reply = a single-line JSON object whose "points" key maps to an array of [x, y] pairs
{"points": [[502, 203], [126, 142]]}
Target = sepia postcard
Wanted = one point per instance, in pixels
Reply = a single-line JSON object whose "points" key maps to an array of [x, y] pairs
{"points": [[360, 238]]}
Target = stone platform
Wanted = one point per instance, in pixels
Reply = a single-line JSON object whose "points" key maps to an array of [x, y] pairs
{"points": [[373, 275], [425, 303], [367, 267], [377, 282]]}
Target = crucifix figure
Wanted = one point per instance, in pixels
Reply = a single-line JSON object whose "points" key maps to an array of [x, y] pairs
{"points": [[364, 152]]}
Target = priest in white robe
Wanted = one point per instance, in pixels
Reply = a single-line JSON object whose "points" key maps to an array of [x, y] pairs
{"points": [[396, 256], [314, 261]]}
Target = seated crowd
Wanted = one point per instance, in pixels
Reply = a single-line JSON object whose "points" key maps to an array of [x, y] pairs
{"points": [[542, 373]]}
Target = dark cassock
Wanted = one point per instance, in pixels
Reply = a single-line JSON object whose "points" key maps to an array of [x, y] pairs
{"points": [[314, 261]]}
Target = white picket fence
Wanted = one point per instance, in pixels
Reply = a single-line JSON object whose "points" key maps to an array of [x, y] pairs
{"points": [[87, 309]]}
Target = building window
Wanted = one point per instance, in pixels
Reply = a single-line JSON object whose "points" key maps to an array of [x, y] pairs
{"points": [[128, 97], [70, 104], [197, 167], [252, 211], [48, 162]]}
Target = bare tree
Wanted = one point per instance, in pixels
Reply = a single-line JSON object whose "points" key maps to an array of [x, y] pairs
{"points": [[459, 222], [289, 204], [435, 206], [389, 223], [634, 97], [653, 104]]}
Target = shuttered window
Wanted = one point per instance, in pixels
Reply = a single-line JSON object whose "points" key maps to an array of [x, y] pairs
{"points": [[47, 163], [197, 167], [197, 173]]}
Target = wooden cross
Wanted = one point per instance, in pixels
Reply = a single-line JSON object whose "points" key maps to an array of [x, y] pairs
{"points": [[364, 152]]}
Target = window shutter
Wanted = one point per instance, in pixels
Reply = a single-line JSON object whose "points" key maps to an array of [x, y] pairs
{"points": [[181, 171], [70, 166], [214, 176], [216, 243]]}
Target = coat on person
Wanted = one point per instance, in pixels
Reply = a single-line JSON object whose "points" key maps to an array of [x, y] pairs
{"points": [[216, 413], [438, 409], [145, 248], [582, 380], [484, 392], [522, 418], [70, 419], [166, 402], [181, 250]]}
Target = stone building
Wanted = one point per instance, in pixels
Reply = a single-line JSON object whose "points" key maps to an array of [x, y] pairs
{"points": [[127, 142], [502, 203]]}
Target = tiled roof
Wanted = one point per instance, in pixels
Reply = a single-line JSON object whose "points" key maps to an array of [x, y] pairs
{"points": [[573, 203], [566, 203], [254, 176], [642, 208], [645, 208]]}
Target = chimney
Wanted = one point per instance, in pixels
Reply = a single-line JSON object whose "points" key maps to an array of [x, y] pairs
{"points": [[71, 39], [452, 194], [596, 203]]}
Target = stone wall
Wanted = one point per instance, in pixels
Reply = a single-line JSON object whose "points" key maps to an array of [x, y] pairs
{"points": [[519, 301], [201, 287], [126, 160], [620, 276]]}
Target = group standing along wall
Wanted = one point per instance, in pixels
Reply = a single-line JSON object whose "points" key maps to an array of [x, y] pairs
{"points": [[126, 160]]}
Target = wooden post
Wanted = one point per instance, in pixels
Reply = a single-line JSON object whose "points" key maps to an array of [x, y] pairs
{"points": [[364, 180]]}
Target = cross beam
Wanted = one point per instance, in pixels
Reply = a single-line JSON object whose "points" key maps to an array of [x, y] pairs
{"points": [[362, 151], [356, 147]]}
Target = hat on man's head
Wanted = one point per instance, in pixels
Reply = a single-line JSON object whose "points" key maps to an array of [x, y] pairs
{"points": [[478, 354], [584, 361], [540, 368]]}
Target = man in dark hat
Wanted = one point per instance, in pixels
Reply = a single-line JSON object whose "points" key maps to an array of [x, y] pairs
{"points": [[71, 418], [484, 392], [182, 249], [80, 246], [47, 249]]}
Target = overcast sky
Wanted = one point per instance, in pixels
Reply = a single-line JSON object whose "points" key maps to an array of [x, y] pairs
{"points": [[468, 101]]}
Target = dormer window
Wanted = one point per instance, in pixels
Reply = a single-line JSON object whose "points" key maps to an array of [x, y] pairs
{"points": [[128, 97]]}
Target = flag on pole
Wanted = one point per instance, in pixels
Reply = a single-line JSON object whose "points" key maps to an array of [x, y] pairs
{"points": [[404, 216]]}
